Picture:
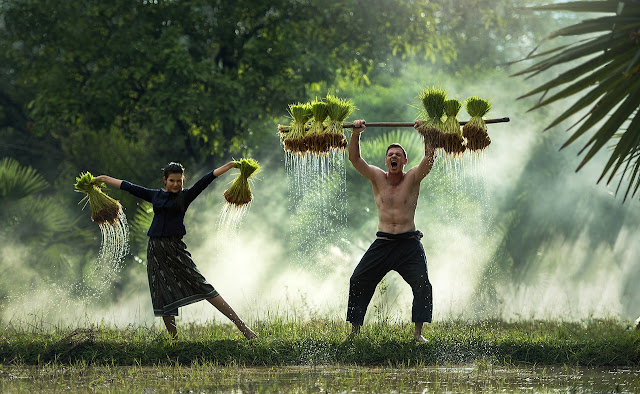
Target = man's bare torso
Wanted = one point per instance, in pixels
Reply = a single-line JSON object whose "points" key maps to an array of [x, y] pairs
{"points": [[396, 202]]}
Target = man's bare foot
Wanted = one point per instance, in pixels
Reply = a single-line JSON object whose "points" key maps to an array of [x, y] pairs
{"points": [[419, 338], [349, 337], [417, 333], [355, 329]]}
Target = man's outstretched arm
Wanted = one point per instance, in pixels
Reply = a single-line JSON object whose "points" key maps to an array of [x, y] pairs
{"points": [[354, 151], [426, 164]]}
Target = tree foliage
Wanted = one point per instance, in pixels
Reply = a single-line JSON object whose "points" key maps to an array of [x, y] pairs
{"points": [[607, 79], [199, 73]]}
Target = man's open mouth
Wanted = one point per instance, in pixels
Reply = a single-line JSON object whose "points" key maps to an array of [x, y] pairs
{"points": [[394, 164]]}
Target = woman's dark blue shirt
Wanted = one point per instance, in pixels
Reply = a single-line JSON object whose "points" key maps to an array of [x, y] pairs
{"points": [[168, 218]]}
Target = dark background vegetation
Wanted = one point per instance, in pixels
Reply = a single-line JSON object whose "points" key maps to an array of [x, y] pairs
{"points": [[122, 87]]}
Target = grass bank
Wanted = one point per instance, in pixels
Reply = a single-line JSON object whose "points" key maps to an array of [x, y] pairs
{"points": [[597, 343]]}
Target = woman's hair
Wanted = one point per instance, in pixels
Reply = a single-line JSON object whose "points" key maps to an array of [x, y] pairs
{"points": [[172, 168]]}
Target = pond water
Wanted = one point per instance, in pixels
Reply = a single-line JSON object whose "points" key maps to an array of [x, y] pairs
{"points": [[214, 378]]}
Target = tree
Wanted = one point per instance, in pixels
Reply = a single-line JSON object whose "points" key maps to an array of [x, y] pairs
{"points": [[607, 79], [202, 74]]}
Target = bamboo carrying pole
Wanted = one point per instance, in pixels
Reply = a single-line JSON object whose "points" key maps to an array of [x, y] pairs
{"points": [[285, 129], [410, 124]]}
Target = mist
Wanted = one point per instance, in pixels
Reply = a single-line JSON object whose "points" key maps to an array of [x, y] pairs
{"points": [[474, 212]]}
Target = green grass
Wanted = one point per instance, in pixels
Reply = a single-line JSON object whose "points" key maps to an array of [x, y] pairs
{"points": [[308, 356], [319, 342]]}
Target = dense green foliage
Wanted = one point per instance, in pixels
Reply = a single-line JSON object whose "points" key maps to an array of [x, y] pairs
{"points": [[203, 75]]}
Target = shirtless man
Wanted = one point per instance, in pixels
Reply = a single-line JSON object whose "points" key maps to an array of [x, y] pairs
{"points": [[397, 245]]}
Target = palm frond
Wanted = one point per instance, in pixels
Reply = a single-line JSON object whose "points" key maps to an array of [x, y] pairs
{"points": [[141, 222], [615, 121], [608, 59], [597, 25], [569, 54], [601, 87], [18, 181], [608, 81], [579, 6], [627, 150]]}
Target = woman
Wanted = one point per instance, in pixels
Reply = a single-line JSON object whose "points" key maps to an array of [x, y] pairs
{"points": [[174, 279]]}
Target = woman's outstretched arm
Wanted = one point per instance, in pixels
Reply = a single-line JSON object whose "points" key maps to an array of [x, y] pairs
{"points": [[222, 169], [113, 182]]}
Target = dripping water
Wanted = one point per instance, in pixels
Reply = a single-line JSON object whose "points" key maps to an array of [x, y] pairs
{"points": [[317, 199], [232, 215], [113, 248]]}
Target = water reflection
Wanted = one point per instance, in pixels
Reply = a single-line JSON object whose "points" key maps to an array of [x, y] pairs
{"points": [[478, 377]]}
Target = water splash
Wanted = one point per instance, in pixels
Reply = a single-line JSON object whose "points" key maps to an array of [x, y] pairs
{"points": [[317, 189], [464, 232], [114, 247], [232, 215]]}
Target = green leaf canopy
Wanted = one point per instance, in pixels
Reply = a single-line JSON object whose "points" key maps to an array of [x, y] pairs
{"points": [[201, 73]]}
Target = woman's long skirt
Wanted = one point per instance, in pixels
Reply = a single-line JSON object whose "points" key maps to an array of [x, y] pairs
{"points": [[174, 279]]}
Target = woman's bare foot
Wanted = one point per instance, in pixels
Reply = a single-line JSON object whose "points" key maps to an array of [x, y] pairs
{"points": [[226, 309], [170, 323], [247, 332], [419, 338]]}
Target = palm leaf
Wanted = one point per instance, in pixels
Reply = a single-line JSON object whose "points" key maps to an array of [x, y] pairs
{"points": [[602, 43], [140, 223], [602, 108], [627, 150], [634, 176], [18, 181], [596, 25], [585, 68], [579, 6], [606, 131], [628, 146], [600, 88], [535, 54], [611, 69]]}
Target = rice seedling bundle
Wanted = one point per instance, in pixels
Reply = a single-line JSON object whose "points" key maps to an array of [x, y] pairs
{"points": [[300, 115], [108, 213], [453, 143], [432, 129], [239, 193], [338, 110], [315, 139], [104, 209], [475, 131]]}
